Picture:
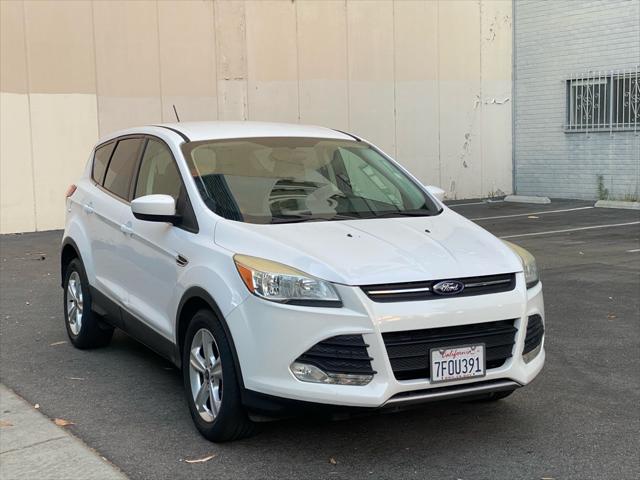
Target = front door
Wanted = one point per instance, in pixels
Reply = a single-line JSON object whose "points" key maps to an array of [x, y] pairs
{"points": [[155, 263]]}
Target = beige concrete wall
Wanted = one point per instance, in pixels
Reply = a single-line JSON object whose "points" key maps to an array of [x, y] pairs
{"points": [[428, 81]]}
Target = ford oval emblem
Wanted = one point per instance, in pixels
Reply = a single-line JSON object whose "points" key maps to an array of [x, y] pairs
{"points": [[448, 287]]}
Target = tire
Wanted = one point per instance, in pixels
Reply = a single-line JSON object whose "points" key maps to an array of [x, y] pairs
{"points": [[84, 327], [211, 386]]}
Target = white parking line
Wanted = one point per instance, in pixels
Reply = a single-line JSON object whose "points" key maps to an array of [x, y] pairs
{"points": [[634, 250], [571, 230], [532, 213], [470, 203]]}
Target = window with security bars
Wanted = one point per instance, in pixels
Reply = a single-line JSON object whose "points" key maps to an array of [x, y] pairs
{"points": [[603, 101]]}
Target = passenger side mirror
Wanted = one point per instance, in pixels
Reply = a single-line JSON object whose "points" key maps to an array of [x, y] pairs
{"points": [[436, 192], [155, 208]]}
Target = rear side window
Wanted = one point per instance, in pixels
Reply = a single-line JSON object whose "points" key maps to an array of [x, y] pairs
{"points": [[121, 168], [100, 162]]}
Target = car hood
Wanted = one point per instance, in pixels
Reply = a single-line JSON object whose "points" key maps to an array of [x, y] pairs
{"points": [[374, 251]]}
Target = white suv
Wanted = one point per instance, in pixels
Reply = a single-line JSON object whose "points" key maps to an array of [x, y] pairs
{"points": [[286, 267]]}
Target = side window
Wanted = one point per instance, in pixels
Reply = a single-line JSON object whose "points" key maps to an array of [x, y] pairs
{"points": [[368, 182], [158, 172], [121, 168], [100, 161]]}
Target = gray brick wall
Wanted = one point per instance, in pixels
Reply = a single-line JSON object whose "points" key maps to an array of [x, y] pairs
{"points": [[554, 39]]}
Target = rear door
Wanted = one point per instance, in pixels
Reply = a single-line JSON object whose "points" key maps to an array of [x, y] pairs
{"points": [[110, 209]]}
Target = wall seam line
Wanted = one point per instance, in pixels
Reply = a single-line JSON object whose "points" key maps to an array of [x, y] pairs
{"points": [[33, 166], [246, 62], [438, 92], [395, 95], [346, 28], [160, 63], [95, 67], [480, 2], [215, 56], [295, 6], [513, 96]]}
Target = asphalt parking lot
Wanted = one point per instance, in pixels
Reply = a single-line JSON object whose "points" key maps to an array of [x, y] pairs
{"points": [[579, 419]]}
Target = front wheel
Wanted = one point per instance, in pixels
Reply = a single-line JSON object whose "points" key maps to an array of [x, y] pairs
{"points": [[210, 381], [84, 327]]}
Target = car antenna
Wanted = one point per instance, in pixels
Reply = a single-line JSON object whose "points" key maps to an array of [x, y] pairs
{"points": [[176, 112]]}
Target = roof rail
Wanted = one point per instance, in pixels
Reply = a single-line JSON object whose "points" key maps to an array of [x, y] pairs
{"points": [[349, 134], [184, 137]]}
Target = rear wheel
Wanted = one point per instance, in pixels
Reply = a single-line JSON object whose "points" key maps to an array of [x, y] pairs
{"points": [[211, 382], [84, 327]]}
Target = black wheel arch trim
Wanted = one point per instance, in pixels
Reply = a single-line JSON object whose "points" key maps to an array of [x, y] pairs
{"points": [[202, 294], [68, 241]]}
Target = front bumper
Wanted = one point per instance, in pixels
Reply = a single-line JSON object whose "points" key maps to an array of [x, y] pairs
{"points": [[270, 336]]}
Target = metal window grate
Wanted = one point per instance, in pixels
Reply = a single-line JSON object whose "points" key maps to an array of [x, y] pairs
{"points": [[604, 101]]}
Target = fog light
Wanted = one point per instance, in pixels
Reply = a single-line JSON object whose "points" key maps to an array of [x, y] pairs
{"points": [[527, 357], [310, 373]]}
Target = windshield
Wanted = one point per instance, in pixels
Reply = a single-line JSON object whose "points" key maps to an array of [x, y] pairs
{"points": [[282, 180]]}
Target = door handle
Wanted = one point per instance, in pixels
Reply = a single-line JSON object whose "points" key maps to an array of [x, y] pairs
{"points": [[126, 229], [88, 209]]}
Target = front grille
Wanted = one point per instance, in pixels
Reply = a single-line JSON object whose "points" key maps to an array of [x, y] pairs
{"points": [[341, 354], [535, 332], [403, 292], [408, 351]]}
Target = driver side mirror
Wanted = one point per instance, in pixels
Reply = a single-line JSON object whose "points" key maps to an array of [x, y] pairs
{"points": [[436, 192], [155, 208]]}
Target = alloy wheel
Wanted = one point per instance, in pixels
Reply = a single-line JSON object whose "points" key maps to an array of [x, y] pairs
{"points": [[205, 374], [74, 303]]}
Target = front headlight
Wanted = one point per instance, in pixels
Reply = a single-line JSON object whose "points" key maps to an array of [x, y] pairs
{"points": [[279, 283], [531, 275]]}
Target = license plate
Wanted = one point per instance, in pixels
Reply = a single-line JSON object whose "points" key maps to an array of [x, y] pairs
{"points": [[455, 363]]}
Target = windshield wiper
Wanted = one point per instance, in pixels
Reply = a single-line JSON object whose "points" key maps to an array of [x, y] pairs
{"points": [[284, 218], [405, 213]]}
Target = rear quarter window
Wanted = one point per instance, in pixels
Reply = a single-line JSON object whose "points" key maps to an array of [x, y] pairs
{"points": [[122, 166], [100, 162]]}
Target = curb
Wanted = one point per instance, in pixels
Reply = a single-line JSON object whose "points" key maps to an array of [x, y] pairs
{"points": [[32, 446], [617, 204], [526, 199]]}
